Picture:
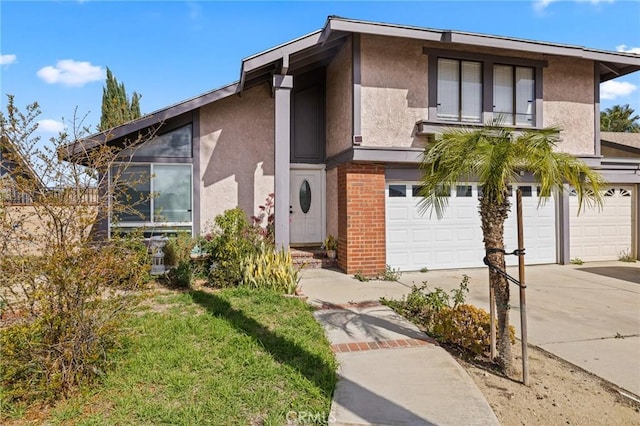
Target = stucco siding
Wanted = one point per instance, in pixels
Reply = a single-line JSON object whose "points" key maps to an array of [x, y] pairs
{"points": [[339, 101], [332, 202], [236, 153], [394, 90], [568, 103]]}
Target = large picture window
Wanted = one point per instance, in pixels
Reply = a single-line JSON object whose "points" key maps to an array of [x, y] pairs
{"points": [[459, 90], [155, 196]]}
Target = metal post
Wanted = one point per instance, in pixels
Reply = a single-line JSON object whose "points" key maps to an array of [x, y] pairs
{"points": [[492, 319], [523, 299]]}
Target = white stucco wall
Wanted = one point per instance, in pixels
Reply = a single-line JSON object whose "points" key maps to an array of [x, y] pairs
{"points": [[236, 153]]}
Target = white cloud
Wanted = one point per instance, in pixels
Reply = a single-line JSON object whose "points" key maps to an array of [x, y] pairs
{"points": [[7, 59], [540, 5], [625, 49], [613, 89], [50, 126], [71, 73]]}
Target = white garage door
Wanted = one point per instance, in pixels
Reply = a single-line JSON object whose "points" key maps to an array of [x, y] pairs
{"points": [[415, 240], [601, 234]]}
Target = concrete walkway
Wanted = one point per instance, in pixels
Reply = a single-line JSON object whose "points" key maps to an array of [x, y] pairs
{"points": [[586, 314], [390, 372]]}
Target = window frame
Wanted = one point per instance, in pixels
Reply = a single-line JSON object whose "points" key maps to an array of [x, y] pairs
{"points": [[161, 226], [488, 61], [461, 92]]}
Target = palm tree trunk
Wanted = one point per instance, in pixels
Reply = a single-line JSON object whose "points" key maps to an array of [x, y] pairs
{"points": [[493, 216]]}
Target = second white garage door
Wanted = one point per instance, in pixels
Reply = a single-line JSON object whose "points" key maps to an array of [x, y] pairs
{"points": [[602, 234], [416, 240]]}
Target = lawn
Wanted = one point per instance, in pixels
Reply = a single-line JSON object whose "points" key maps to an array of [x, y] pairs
{"points": [[200, 357]]}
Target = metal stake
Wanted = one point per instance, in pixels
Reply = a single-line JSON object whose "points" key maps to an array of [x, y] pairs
{"points": [[492, 319], [523, 298]]}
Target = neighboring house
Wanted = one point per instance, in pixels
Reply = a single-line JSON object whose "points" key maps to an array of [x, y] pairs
{"points": [[14, 166], [334, 123]]}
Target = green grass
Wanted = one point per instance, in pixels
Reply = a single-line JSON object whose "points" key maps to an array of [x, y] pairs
{"points": [[231, 357]]}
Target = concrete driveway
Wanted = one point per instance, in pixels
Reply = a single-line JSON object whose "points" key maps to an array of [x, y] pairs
{"points": [[588, 315]]}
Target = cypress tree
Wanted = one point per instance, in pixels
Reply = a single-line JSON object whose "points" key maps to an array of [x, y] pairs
{"points": [[117, 108]]}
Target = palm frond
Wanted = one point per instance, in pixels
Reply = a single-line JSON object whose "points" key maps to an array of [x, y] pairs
{"points": [[494, 155]]}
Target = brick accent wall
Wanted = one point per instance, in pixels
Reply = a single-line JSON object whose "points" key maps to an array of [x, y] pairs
{"points": [[361, 218]]}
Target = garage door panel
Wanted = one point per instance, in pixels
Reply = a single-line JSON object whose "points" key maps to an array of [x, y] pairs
{"points": [[400, 213], [455, 241], [399, 236], [601, 234], [420, 236]]}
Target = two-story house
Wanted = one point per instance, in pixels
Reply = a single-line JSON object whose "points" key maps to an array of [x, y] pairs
{"points": [[334, 123]]}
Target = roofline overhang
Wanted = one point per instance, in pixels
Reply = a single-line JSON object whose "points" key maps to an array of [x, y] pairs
{"points": [[624, 63], [78, 149]]}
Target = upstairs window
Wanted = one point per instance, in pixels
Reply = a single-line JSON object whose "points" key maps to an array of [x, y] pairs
{"points": [[514, 94], [459, 90]]}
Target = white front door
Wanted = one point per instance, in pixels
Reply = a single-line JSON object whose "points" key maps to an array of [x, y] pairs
{"points": [[307, 206]]}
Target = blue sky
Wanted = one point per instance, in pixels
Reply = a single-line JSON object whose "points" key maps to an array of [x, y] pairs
{"points": [[56, 52]]}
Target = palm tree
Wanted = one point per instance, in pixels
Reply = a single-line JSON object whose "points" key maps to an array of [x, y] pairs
{"points": [[494, 156], [619, 119]]}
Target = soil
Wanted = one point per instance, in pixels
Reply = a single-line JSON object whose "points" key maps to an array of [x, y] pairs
{"points": [[558, 393]]}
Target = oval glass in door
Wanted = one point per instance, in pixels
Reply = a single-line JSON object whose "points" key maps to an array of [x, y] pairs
{"points": [[305, 196]]}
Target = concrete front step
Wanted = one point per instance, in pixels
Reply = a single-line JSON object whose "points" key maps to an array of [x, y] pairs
{"points": [[312, 258], [312, 263]]}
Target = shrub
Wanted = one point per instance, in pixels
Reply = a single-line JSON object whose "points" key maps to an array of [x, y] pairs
{"points": [[72, 307], [66, 290], [178, 248], [447, 318], [465, 326], [177, 255], [270, 269], [232, 241]]}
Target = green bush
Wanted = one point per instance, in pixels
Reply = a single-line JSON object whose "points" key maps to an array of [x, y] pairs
{"points": [[177, 256], [178, 248], [465, 326], [232, 241], [270, 269], [72, 305], [447, 318]]}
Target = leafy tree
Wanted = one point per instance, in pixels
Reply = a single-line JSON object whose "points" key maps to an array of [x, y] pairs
{"points": [[619, 118], [65, 290], [117, 108], [494, 155]]}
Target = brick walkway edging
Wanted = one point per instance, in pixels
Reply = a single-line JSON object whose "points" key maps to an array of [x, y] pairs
{"points": [[381, 344], [375, 344]]}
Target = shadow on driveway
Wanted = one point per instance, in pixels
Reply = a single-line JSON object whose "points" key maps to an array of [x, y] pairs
{"points": [[631, 275]]}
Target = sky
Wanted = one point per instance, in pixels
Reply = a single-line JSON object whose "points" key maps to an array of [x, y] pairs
{"points": [[56, 52]]}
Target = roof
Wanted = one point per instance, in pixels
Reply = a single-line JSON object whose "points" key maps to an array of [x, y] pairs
{"points": [[321, 45], [15, 160], [625, 139]]}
